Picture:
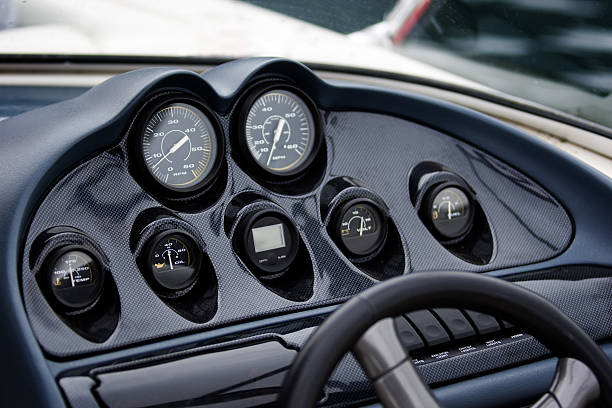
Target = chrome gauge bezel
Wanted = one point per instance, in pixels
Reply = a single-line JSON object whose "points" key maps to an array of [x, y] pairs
{"points": [[259, 171], [136, 140]]}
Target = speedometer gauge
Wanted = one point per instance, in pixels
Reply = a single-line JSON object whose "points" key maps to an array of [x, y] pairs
{"points": [[179, 146], [280, 132]]}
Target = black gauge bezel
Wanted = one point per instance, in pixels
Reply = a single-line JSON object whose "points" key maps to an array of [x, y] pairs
{"points": [[245, 238], [196, 252], [98, 286], [426, 211], [135, 140], [246, 102], [381, 239]]}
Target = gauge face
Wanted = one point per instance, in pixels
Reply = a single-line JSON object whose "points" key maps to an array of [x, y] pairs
{"points": [[179, 146], [451, 212], [280, 132], [361, 229], [270, 242], [174, 260], [75, 278]]}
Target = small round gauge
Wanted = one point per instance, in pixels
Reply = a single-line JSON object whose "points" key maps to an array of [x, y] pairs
{"points": [[361, 227], [450, 211], [179, 146], [280, 132], [174, 260], [75, 277]]}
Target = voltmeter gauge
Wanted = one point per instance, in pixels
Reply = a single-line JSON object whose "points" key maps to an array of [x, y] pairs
{"points": [[280, 131], [450, 211], [361, 228], [174, 259], [74, 276], [179, 146]]}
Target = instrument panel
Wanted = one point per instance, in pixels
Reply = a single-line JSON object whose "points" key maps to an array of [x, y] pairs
{"points": [[203, 214]]}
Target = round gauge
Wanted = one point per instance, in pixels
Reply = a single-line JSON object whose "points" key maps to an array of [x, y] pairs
{"points": [[280, 132], [450, 211], [270, 242], [174, 260], [361, 228], [74, 277], [179, 146]]}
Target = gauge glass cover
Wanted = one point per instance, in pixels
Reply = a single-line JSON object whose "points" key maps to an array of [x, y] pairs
{"points": [[361, 228], [174, 260], [75, 278], [179, 146], [450, 212], [270, 242], [280, 132]]}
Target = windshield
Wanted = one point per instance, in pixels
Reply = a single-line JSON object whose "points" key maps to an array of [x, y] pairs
{"points": [[557, 53]]}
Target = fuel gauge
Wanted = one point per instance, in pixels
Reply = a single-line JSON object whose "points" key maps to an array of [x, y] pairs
{"points": [[361, 228], [450, 211]]}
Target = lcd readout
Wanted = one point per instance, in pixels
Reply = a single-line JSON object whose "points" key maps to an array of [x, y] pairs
{"points": [[268, 237]]}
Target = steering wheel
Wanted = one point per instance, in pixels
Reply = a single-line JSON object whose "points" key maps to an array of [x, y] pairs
{"points": [[364, 325]]}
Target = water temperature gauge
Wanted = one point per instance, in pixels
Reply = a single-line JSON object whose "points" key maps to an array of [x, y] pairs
{"points": [[450, 211], [75, 277], [361, 228], [174, 259]]}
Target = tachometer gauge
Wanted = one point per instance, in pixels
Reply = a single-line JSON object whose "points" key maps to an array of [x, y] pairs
{"points": [[280, 132], [179, 146]]}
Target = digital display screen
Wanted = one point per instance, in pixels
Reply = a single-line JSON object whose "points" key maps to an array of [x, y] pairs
{"points": [[268, 237]]}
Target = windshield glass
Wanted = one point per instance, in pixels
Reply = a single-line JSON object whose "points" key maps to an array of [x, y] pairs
{"points": [[556, 53]]}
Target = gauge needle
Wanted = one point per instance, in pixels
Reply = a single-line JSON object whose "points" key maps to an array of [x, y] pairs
{"points": [[277, 134], [71, 274], [449, 211], [361, 227], [174, 148], [170, 260]]}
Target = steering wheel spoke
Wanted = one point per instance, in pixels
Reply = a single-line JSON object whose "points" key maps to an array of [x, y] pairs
{"points": [[574, 386], [364, 325], [395, 379]]}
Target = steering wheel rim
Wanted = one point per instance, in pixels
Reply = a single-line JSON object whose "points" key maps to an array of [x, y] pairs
{"points": [[341, 331]]}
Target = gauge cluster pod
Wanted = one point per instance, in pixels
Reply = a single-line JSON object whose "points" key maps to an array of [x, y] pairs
{"points": [[172, 258], [74, 276], [449, 208], [177, 151], [278, 138], [359, 223], [270, 246]]}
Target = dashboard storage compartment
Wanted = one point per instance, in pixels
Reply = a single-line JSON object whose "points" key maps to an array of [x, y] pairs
{"points": [[247, 376]]}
